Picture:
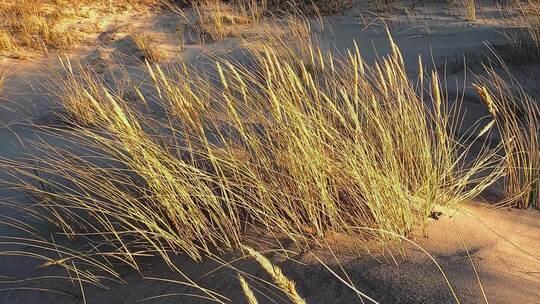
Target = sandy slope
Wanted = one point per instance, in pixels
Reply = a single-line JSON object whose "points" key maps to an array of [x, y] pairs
{"points": [[503, 244]]}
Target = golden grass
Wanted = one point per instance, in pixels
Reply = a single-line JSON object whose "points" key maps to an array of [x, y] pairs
{"points": [[39, 25], [302, 143], [7, 44], [74, 93], [517, 118], [283, 283], [470, 9], [3, 76], [250, 296], [220, 20], [148, 44], [298, 148]]}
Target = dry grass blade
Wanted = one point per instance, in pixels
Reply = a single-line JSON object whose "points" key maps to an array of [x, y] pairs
{"points": [[3, 77], [284, 283], [7, 44], [483, 92], [250, 296]]}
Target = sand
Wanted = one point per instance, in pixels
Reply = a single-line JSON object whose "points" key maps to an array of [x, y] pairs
{"points": [[501, 243]]}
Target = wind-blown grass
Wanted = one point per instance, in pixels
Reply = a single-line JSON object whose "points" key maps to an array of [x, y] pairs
{"points": [[3, 76], [72, 93], [6, 41], [530, 14], [470, 9], [295, 149], [524, 44], [35, 25], [517, 118]]}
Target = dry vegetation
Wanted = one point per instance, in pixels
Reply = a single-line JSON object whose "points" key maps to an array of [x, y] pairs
{"points": [[514, 111], [3, 76], [301, 143], [531, 17], [219, 20], [298, 148], [517, 116], [282, 282], [73, 92], [524, 45], [35, 25], [148, 44], [470, 9], [39, 25]]}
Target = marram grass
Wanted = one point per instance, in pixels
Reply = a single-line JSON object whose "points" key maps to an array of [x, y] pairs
{"points": [[299, 147], [516, 116], [282, 282]]}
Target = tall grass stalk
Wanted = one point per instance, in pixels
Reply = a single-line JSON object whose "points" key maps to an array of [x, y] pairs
{"points": [[250, 296], [3, 77], [517, 117]]}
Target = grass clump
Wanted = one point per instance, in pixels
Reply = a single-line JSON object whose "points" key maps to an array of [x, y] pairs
{"points": [[6, 42], [220, 20], [149, 46], [296, 148], [517, 116], [40, 25], [530, 14], [524, 44], [37, 25], [76, 92]]}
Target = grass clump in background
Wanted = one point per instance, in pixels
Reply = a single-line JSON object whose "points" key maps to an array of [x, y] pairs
{"points": [[3, 76], [470, 9], [41, 25], [149, 46], [220, 20], [517, 116], [35, 25]]}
